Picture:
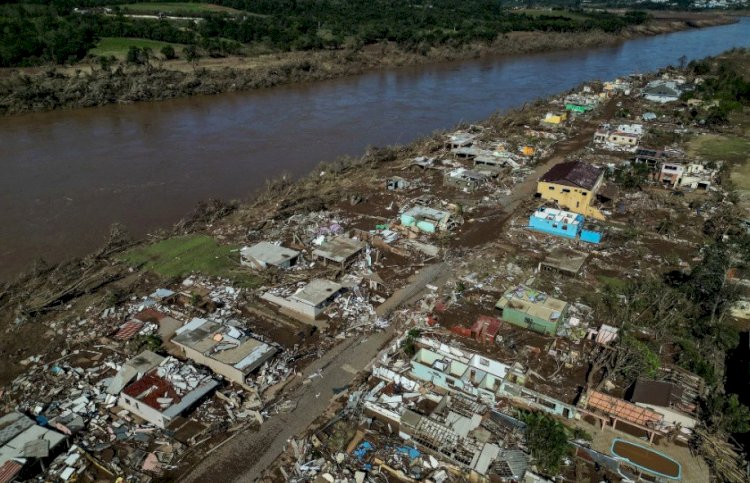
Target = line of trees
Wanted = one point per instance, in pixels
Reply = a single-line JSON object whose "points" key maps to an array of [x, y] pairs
{"points": [[51, 31]]}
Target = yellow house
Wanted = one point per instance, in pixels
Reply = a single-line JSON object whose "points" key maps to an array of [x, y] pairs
{"points": [[555, 119], [573, 185]]}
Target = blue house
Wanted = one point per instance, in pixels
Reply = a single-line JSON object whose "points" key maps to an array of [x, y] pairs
{"points": [[562, 223]]}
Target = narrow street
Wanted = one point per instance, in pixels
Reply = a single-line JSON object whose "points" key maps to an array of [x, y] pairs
{"points": [[245, 457]]}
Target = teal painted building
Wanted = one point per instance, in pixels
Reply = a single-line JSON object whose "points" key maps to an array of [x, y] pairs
{"points": [[530, 309]]}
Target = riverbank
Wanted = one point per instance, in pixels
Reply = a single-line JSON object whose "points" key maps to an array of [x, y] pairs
{"points": [[90, 85], [81, 309]]}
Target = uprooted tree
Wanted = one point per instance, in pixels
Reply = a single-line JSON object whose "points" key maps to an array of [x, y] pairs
{"points": [[643, 312]]}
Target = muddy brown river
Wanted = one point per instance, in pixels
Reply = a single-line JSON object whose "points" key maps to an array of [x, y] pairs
{"points": [[66, 176]]}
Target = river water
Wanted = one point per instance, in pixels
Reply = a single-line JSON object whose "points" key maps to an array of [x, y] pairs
{"points": [[66, 176]]}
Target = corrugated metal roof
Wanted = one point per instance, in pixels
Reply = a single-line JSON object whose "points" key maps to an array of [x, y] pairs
{"points": [[9, 470]]}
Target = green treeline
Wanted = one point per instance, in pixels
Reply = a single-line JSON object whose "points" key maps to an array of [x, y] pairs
{"points": [[60, 31]]}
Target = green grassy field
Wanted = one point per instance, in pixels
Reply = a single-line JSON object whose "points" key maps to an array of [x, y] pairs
{"points": [[118, 46], [181, 256], [733, 149], [721, 148], [182, 8]]}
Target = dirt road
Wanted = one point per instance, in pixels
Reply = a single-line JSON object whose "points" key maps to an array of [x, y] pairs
{"points": [[250, 453], [246, 456]]}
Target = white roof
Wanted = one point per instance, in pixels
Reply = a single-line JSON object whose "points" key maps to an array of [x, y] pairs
{"points": [[317, 291], [559, 216], [269, 253]]}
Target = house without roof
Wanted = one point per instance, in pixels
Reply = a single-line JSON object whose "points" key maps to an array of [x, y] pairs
{"points": [[224, 348], [25, 446], [428, 220], [668, 399], [265, 254], [531, 309], [165, 392], [459, 371], [574, 186]]}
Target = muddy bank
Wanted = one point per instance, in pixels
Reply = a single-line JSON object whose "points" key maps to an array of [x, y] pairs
{"points": [[89, 85]]}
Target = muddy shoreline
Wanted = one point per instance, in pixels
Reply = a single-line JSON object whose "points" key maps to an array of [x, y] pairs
{"points": [[53, 88]]}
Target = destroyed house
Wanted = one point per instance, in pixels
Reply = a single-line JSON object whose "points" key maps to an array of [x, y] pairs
{"points": [[448, 437], [530, 309], [166, 392], [670, 174], [460, 140], [666, 399], [308, 302], [464, 179], [562, 223], [574, 186], [339, 250], [265, 254], [609, 409], [474, 375], [428, 220], [485, 329], [25, 446], [224, 348], [491, 166], [649, 157], [471, 374]]}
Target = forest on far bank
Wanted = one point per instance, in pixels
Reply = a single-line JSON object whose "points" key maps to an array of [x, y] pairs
{"points": [[37, 32]]}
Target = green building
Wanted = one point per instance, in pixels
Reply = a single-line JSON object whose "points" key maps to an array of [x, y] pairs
{"points": [[531, 309], [578, 107]]}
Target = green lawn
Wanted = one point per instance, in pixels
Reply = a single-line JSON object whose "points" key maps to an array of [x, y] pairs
{"points": [[721, 148], [118, 46], [182, 8], [181, 256]]}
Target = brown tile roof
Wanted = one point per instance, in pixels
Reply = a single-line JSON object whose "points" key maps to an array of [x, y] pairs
{"points": [[623, 410], [573, 173], [129, 329], [151, 387]]}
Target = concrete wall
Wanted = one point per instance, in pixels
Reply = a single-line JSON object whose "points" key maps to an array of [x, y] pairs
{"points": [[143, 410], [230, 372], [526, 321], [548, 226]]}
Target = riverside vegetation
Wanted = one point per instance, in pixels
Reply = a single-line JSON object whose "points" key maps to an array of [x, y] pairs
{"points": [[64, 54]]}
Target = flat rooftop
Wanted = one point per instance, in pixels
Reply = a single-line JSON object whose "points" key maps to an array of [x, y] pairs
{"points": [[269, 253], [339, 249], [533, 302], [224, 343], [558, 216], [317, 291]]}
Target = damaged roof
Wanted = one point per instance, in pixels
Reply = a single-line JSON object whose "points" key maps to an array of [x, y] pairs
{"points": [[622, 409], [657, 393], [573, 173]]}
